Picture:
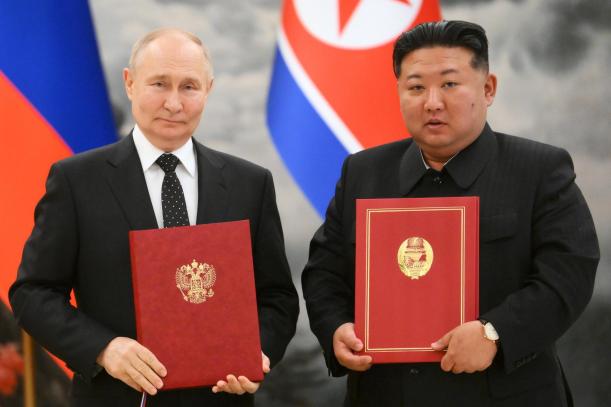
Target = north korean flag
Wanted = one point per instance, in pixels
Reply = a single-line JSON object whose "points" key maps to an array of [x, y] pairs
{"points": [[332, 90]]}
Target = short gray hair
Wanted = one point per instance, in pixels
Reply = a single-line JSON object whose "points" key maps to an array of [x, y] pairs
{"points": [[153, 35]]}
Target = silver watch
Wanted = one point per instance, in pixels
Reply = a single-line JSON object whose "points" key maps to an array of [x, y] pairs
{"points": [[489, 332]]}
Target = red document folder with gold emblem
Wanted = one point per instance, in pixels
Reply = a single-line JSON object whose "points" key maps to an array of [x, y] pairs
{"points": [[417, 274], [195, 303]]}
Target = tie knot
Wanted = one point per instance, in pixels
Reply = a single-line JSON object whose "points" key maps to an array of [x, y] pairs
{"points": [[167, 162]]}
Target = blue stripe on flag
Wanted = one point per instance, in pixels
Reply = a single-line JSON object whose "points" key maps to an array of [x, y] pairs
{"points": [[49, 52], [307, 145]]}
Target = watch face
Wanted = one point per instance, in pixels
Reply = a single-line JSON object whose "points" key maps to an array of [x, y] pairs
{"points": [[491, 332]]}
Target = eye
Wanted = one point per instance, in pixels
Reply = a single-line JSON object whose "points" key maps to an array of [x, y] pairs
{"points": [[190, 86], [450, 84], [415, 88], [157, 84]]}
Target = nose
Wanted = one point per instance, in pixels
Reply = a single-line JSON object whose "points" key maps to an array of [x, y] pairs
{"points": [[434, 101], [172, 103]]}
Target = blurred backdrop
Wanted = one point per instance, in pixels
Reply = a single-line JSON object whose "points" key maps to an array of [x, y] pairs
{"points": [[552, 59]]}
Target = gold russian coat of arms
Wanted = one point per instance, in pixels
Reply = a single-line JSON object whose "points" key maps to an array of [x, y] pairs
{"points": [[415, 257], [195, 281]]}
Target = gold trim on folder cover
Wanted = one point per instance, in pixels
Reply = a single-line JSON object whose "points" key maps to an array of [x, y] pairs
{"points": [[370, 212]]}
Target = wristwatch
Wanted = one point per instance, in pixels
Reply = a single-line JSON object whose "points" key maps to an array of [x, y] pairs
{"points": [[489, 332]]}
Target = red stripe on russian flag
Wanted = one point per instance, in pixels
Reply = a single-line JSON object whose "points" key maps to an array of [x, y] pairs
{"points": [[29, 146]]}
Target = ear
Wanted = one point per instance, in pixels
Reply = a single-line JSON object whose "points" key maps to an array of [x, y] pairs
{"points": [[128, 82], [490, 88]]}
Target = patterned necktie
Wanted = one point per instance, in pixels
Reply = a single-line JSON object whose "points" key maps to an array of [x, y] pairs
{"points": [[172, 198]]}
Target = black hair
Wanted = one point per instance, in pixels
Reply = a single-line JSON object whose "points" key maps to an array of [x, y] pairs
{"points": [[451, 33]]}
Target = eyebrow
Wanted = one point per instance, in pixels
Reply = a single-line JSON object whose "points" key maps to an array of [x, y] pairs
{"points": [[165, 77], [444, 72], [157, 77], [449, 71]]}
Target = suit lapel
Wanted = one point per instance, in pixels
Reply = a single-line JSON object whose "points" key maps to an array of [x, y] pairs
{"points": [[411, 169], [213, 197], [127, 182]]}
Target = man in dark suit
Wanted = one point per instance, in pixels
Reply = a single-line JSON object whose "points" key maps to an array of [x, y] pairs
{"points": [[538, 247], [92, 201]]}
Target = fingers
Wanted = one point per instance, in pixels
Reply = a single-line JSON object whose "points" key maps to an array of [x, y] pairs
{"points": [[345, 343], [265, 363], [131, 383], [447, 363], [152, 362], [348, 359], [235, 385], [144, 375], [442, 343], [468, 350], [140, 380], [345, 333], [125, 359], [248, 385], [220, 386]]}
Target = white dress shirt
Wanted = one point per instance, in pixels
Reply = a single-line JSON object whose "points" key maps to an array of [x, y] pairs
{"points": [[186, 170]]}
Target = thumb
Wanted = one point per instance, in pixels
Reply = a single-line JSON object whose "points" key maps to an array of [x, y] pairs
{"points": [[442, 343], [352, 341], [265, 362]]}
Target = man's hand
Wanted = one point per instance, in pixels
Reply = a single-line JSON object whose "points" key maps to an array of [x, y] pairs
{"points": [[241, 384], [468, 350], [133, 364], [345, 343]]}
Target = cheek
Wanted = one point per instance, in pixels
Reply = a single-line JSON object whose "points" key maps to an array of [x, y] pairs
{"points": [[195, 106], [409, 106], [150, 102]]}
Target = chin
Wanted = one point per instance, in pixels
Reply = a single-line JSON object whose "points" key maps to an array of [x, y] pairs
{"points": [[434, 140]]}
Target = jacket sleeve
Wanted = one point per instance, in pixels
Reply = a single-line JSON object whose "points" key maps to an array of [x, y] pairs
{"points": [[328, 285], [277, 298], [565, 255], [40, 296]]}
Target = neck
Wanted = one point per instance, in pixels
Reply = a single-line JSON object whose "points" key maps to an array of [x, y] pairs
{"points": [[435, 162]]}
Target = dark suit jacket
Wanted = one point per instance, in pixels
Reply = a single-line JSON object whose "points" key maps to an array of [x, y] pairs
{"points": [[538, 257], [80, 242]]}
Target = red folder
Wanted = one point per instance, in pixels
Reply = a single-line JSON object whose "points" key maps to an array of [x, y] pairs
{"points": [[417, 274], [195, 304]]}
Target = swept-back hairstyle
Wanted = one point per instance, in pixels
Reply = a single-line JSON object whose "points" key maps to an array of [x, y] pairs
{"points": [[153, 35], [451, 33]]}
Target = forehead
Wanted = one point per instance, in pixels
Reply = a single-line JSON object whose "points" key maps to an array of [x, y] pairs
{"points": [[433, 60], [172, 54]]}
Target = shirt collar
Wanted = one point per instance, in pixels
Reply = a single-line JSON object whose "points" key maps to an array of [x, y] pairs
{"points": [[148, 153], [428, 167], [464, 167]]}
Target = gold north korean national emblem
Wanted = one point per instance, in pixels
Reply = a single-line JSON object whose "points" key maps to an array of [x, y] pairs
{"points": [[195, 281], [415, 257]]}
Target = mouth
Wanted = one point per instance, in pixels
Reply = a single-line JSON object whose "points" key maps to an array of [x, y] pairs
{"points": [[169, 121], [434, 123]]}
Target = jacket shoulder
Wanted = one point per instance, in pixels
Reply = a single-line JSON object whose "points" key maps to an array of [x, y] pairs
{"points": [[383, 154], [526, 148], [236, 166], [89, 159]]}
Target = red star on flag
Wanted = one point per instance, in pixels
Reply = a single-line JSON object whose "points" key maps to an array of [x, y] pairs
{"points": [[346, 10]]}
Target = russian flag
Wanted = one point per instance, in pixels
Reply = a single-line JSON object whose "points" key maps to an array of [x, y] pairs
{"points": [[53, 103], [333, 91]]}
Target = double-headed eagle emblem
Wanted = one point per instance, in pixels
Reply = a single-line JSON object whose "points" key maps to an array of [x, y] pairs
{"points": [[195, 281]]}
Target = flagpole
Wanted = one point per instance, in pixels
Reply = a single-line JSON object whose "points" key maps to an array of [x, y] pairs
{"points": [[29, 384]]}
